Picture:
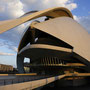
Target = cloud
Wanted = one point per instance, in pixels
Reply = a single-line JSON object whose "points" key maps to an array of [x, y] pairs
{"points": [[13, 35], [6, 54], [84, 21], [9, 45], [2, 9], [13, 48], [11, 9], [76, 18], [71, 6], [44, 4]]}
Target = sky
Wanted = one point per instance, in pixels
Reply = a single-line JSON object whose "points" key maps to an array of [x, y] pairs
{"points": [[11, 9]]}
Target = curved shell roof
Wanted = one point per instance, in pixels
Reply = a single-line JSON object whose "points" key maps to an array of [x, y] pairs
{"points": [[52, 12], [69, 31]]}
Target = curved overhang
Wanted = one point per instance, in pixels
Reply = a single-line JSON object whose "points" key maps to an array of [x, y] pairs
{"points": [[69, 31], [51, 12], [36, 51], [45, 46], [58, 12]]}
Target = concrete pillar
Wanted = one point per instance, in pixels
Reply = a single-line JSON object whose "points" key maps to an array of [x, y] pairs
{"points": [[20, 64]]}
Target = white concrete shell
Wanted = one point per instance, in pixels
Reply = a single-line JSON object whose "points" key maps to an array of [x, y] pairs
{"points": [[69, 31]]}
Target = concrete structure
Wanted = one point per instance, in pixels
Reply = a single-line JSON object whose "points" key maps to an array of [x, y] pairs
{"points": [[56, 42], [58, 36]]}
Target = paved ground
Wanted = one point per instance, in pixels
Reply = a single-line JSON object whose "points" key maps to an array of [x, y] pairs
{"points": [[86, 87], [68, 88]]}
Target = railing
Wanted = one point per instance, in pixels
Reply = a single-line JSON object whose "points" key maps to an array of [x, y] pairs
{"points": [[27, 83], [20, 79], [32, 82]]}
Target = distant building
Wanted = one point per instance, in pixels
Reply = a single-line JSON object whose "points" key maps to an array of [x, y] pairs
{"points": [[5, 68]]}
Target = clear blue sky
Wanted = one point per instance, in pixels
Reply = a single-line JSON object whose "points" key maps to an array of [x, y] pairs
{"points": [[83, 8], [10, 9]]}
